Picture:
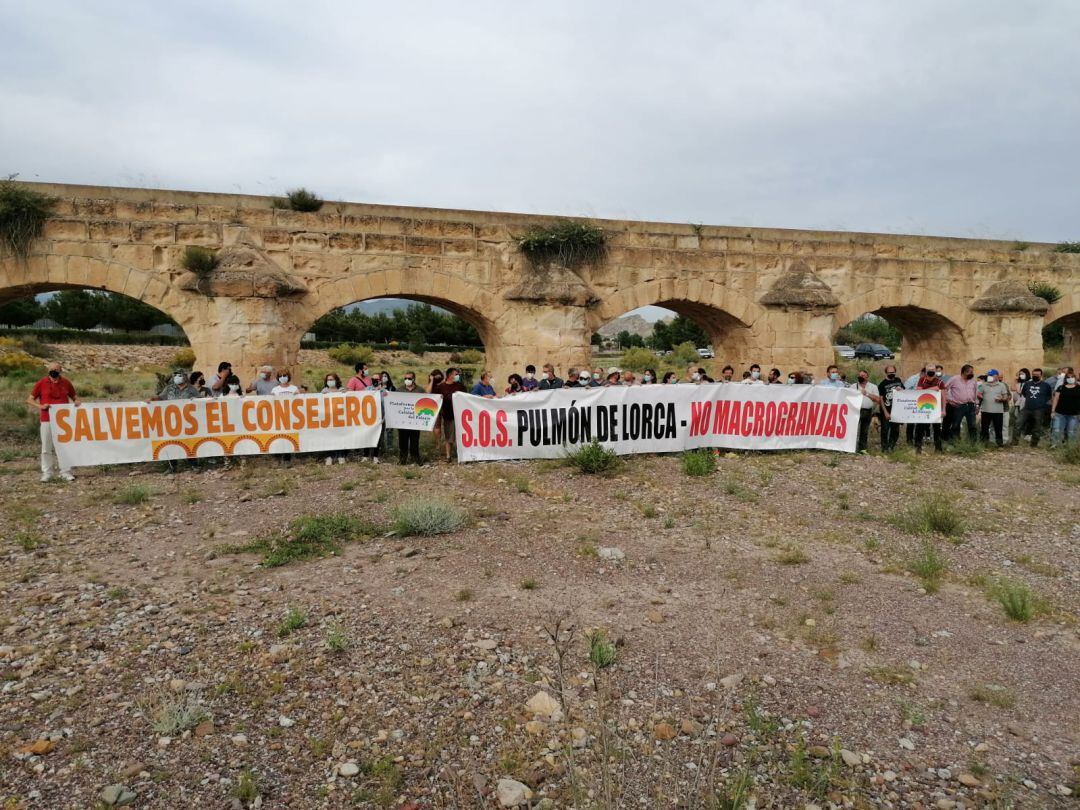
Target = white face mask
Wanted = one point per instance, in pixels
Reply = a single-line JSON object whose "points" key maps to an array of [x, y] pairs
{"points": [[584, 380], [990, 378], [283, 379], [790, 380], [755, 374], [266, 375], [178, 378], [834, 376], [647, 378], [1023, 377], [331, 383], [1070, 380], [530, 376], [409, 382], [596, 375], [234, 388], [695, 376]]}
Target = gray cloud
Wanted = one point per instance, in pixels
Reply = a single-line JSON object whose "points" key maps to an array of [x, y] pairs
{"points": [[925, 117]]}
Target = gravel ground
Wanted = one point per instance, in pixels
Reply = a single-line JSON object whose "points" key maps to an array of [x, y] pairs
{"points": [[771, 648]]}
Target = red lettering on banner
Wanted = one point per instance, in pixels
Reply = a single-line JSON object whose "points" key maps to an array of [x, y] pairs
{"points": [[483, 423], [744, 423], [699, 417], [723, 410], [502, 435], [759, 418], [466, 428], [770, 419], [800, 426], [732, 426], [841, 421], [813, 421]]}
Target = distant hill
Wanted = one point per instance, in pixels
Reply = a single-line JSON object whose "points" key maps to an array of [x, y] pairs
{"points": [[634, 324]]}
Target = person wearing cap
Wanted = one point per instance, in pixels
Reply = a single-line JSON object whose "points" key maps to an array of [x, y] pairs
{"points": [[961, 393], [178, 387], [52, 389], [613, 379], [994, 397], [584, 379], [263, 384]]}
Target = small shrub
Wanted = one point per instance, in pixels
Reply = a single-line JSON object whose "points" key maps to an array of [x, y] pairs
{"points": [[293, 621], [529, 584], [18, 361], [417, 344], [246, 790], [593, 459], [1047, 292], [27, 540], [935, 512], [891, 675], [133, 495], [967, 448], [22, 216], [314, 536], [686, 353], [350, 354], [427, 516], [637, 359], [299, 199], [337, 639], [464, 595], [199, 260], [184, 358], [1067, 247], [1017, 599], [565, 242], [993, 694], [793, 555], [471, 357], [170, 713], [602, 653], [191, 496], [1021, 246], [647, 510], [1068, 453], [699, 462], [928, 565]]}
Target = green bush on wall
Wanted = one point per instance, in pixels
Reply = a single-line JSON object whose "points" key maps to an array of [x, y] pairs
{"points": [[565, 242], [299, 199], [22, 216]]}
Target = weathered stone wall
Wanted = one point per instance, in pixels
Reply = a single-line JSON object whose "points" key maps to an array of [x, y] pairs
{"points": [[770, 296]]}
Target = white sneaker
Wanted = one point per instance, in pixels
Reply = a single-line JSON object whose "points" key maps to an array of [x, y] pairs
{"points": [[329, 461], [45, 478], [363, 459], [376, 460], [341, 460], [67, 476]]}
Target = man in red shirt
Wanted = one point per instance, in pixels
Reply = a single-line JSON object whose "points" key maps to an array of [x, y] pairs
{"points": [[52, 389]]}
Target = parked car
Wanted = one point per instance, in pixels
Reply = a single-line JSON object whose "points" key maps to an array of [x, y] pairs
{"points": [[873, 351], [845, 352], [706, 354]]}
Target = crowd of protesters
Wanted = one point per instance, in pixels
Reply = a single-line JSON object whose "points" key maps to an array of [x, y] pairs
{"points": [[1032, 401]]}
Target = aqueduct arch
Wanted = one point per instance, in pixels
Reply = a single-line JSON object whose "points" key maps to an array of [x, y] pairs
{"points": [[766, 295], [1066, 311]]}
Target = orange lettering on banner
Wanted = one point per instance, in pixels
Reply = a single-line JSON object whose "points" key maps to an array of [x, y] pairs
{"points": [[212, 424], [172, 421], [131, 423], [264, 414], [82, 425], [245, 415], [297, 411], [226, 425], [152, 418], [337, 409], [311, 412], [352, 410], [191, 422], [115, 419], [63, 429], [367, 409], [99, 434], [281, 414]]}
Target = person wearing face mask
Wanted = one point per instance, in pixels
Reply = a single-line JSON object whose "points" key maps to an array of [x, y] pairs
{"points": [[513, 385], [232, 386], [360, 380], [529, 381], [584, 379], [197, 380], [648, 377], [1065, 424], [994, 397], [871, 399], [451, 385], [550, 380], [890, 431], [929, 382], [598, 377], [284, 388], [332, 385], [754, 377], [832, 378], [409, 440], [1037, 394], [1017, 405], [671, 378], [178, 387], [961, 392], [52, 389], [435, 379], [264, 382]]}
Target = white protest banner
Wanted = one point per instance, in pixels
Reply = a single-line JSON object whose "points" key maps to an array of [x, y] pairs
{"points": [[657, 419], [122, 432], [406, 411], [919, 407]]}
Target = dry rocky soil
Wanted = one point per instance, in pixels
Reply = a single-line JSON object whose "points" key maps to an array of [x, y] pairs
{"points": [[762, 642]]}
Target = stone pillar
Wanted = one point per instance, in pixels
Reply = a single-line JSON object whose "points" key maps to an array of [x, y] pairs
{"points": [[1005, 331], [247, 333], [794, 340], [537, 333]]}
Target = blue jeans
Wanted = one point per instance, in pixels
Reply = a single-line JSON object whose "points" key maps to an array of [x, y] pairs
{"points": [[1064, 428]]}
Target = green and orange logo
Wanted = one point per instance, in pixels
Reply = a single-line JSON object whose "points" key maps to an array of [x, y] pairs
{"points": [[926, 402], [425, 406]]}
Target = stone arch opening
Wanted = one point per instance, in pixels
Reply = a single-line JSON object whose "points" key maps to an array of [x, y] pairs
{"points": [[393, 319], [1062, 329], [923, 331]]}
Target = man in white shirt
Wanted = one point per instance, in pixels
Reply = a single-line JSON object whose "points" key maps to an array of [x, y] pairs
{"points": [[755, 376], [870, 400]]}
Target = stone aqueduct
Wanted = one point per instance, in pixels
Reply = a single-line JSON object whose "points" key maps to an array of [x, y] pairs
{"points": [[770, 296]]}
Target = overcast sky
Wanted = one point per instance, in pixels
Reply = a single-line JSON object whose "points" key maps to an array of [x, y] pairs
{"points": [[950, 117]]}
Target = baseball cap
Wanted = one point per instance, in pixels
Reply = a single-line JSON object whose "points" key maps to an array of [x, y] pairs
{"points": [[613, 370], [993, 371]]}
